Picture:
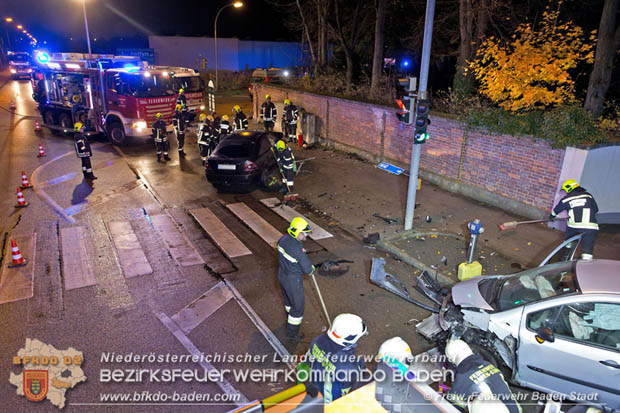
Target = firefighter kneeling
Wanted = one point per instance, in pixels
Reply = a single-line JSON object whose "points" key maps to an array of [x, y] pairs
{"points": [[82, 149], [160, 135]]}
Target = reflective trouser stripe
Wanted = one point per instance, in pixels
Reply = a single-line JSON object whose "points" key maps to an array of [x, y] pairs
{"points": [[287, 308], [285, 255], [327, 391], [295, 320]]}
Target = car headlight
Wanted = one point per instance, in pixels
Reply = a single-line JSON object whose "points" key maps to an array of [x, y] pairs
{"points": [[13, 71], [286, 73], [139, 125], [29, 70]]}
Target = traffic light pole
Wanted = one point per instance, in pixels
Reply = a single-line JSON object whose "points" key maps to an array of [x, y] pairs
{"points": [[416, 150]]}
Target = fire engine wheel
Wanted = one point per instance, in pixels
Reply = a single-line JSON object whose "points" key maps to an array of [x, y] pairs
{"points": [[65, 123], [48, 118], [116, 133]]}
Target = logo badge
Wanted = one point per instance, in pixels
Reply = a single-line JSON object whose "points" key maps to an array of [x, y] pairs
{"points": [[36, 384]]}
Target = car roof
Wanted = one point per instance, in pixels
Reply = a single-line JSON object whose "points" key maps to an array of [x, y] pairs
{"points": [[250, 136], [599, 276]]}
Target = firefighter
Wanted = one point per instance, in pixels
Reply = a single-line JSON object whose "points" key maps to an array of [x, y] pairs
{"points": [[241, 121], [268, 113], [582, 209], [182, 100], [178, 121], [224, 128], [291, 113], [205, 136], [160, 136], [82, 149], [334, 368], [478, 382], [292, 264], [286, 163]]}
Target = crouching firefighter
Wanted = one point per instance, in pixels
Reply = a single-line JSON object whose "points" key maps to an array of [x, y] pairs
{"points": [[478, 385], [334, 368], [160, 135], [178, 121], [288, 168], [582, 209], [82, 149], [205, 136], [292, 264]]}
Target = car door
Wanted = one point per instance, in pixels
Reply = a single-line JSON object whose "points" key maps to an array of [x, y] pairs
{"points": [[563, 252], [265, 158], [582, 358]]}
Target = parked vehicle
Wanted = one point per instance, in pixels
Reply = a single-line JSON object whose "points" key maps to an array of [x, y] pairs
{"points": [[242, 160], [114, 95], [19, 65], [271, 75], [554, 328]]}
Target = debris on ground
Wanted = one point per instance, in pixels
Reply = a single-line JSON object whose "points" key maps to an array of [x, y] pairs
{"points": [[321, 195], [332, 268], [444, 260], [371, 238]]}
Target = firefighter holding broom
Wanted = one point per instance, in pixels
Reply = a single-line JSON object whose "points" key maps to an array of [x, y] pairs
{"points": [[288, 168]]}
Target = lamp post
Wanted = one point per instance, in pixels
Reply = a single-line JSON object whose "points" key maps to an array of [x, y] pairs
{"points": [[90, 55], [236, 5], [8, 38]]}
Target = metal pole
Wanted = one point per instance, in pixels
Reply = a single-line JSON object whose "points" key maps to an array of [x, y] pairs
{"points": [[215, 40], [90, 55], [422, 94]]}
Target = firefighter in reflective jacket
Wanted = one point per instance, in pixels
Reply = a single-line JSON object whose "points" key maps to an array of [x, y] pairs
{"points": [[178, 121], [291, 113], [241, 121], [224, 128], [582, 210], [286, 162], [268, 113], [334, 368], [160, 135], [292, 264], [205, 136], [182, 100], [82, 149], [478, 383]]}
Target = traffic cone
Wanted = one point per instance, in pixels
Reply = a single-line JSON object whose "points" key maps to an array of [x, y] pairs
{"points": [[21, 202], [41, 151], [25, 183], [37, 126], [12, 105], [18, 260]]}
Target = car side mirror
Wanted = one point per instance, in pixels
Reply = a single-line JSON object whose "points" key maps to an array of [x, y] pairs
{"points": [[544, 334]]}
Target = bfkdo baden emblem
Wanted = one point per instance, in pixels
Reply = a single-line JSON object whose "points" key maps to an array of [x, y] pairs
{"points": [[36, 384]]}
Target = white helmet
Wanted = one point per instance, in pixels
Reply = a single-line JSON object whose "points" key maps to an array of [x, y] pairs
{"points": [[347, 329], [487, 404], [457, 351], [396, 348]]}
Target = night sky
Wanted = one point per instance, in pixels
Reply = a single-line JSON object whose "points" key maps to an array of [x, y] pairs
{"points": [[58, 20]]}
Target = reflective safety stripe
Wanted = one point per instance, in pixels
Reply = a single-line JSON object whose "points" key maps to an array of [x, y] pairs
{"points": [[583, 225], [572, 198], [327, 391], [295, 320], [585, 215], [287, 308], [285, 255], [288, 167]]}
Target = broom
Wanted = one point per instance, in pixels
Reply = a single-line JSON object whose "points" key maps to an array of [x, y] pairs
{"points": [[513, 224]]}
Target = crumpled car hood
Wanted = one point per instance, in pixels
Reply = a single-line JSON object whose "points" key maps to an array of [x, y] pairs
{"points": [[467, 294]]}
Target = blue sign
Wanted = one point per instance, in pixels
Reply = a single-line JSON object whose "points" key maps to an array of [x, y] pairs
{"points": [[390, 168], [146, 55]]}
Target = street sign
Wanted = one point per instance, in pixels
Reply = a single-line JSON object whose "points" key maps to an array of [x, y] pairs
{"points": [[211, 93], [390, 168]]}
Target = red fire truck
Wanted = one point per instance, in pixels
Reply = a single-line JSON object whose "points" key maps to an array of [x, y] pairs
{"points": [[192, 84], [114, 95]]}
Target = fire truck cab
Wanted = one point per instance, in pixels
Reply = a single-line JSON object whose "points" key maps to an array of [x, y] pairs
{"points": [[192, 84], [114, 95]]}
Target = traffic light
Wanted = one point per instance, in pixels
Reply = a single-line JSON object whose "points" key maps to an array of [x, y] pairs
{"points": [[407, 103], [421, 121]]}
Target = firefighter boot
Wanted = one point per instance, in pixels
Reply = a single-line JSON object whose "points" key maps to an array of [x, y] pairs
{"points": [[292, 332], [166, 157], [159, 157], [91, 176]]}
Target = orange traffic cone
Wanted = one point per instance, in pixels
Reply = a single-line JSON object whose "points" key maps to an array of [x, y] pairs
{"points": [[25, 183], [21, 202], [41, 151], [37, 126], [18, 260]]}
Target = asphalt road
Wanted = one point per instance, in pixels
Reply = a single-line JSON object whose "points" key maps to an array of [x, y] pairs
{"points": [[131, 315]]}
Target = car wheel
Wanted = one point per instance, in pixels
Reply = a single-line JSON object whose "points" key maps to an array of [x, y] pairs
{"points": [[65, 122], [490, 356], [116, 133]]}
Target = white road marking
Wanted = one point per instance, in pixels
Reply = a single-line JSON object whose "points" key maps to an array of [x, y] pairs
{"points": [[193, 350], [201, 308], [261, 227], [18, 283], [130, 254], [76, 265], [289, 213], [221, 235], [177, 243]]}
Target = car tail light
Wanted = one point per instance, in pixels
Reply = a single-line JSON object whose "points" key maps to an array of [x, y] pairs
{"points": [[208, 166], [249, 166]]}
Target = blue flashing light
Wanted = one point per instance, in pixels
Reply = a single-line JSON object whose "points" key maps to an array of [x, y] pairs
{"points": [[406, 63], [43, 57], [131, 68]]}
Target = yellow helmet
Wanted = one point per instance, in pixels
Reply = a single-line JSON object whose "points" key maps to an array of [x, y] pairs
{"points": [[569, 185], [287, 102], [298, 224], [280, 145], [224, 117], [237, 108], [181, 90], [267, 96], [178, 107], [77, 126], [158, 115], [202, 116], [210, 118]]}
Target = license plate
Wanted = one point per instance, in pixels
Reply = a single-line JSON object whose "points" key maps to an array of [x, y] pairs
{"points": [[226, 167]]}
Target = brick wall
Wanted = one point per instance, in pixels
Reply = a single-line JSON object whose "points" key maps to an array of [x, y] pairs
{"points": [[519, 169]]}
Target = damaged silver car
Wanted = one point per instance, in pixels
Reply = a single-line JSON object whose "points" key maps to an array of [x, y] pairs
{"points": [[554, 328]]}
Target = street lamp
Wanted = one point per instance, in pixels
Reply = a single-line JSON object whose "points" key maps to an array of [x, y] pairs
{"points": [[8, 19], [90, 54], [6, 28], [19, 27], [236, 5]]}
